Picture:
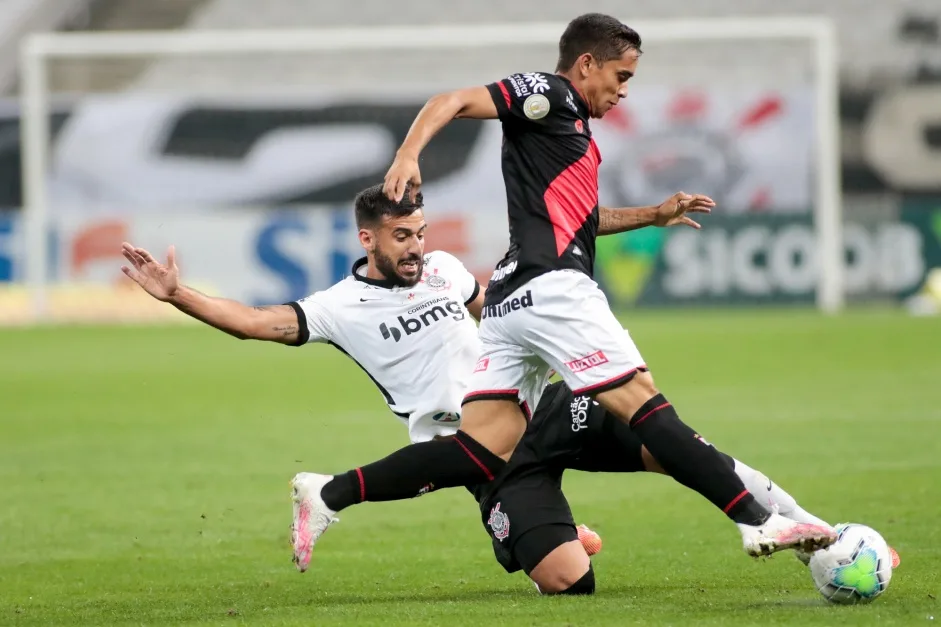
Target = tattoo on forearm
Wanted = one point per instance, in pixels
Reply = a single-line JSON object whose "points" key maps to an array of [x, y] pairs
{"points": [[286, 331], [612, 221]]}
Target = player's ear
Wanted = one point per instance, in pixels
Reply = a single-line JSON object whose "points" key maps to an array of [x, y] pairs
{"points": [[584, 64], [367, 239]]}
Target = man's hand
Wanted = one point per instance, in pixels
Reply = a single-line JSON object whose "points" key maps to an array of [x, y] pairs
{"points": [[674, 209], [404, 170], [158, 280]]}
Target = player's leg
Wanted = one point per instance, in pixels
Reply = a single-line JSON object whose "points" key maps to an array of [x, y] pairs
{"points": [[769, 494], [687, 459], [491, 427], [698, 466], [573, 329], [612, 446], [492, 423], [609, 445], [595, 356], [530, 523]]}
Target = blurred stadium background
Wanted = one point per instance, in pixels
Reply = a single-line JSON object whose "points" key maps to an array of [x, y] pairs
{"points": [[262, 154], [143, 470]]}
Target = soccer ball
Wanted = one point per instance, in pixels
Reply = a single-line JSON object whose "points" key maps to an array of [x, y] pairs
{"points": [[855, 569]]}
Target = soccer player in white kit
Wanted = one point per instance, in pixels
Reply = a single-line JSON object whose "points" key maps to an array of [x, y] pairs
{"points": [[402, 315]]}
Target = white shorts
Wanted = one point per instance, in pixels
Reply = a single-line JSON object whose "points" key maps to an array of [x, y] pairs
{"points": [[560, 321]]}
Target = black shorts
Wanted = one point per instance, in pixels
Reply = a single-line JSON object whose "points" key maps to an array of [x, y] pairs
{"points": [[522, 506], [566, 432]]}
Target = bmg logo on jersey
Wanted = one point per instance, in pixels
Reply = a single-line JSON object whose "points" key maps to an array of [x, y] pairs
{"points": [[422, 316]]}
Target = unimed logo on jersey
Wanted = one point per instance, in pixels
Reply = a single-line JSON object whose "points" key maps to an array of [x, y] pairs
{"points": [[508, 306], [422, 316], [588, 361]]}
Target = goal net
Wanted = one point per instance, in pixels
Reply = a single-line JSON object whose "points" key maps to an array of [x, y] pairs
{"points": [[245, 149]]}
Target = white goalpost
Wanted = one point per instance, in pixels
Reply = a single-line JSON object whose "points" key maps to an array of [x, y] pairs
{"points": [[39, 50]]}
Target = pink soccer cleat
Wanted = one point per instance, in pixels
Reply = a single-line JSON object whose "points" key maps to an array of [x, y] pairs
{"points": [[590, 540], [779, 533], [311, 516]]}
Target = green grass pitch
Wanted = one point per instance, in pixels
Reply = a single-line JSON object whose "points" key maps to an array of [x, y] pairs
{"points": [[144, 480]]}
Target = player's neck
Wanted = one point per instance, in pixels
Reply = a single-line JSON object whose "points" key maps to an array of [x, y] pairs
{"points": [[571, 77], [373, 273], [365, 270]]}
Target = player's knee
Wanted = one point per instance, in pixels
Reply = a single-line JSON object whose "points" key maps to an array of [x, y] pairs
{"points": [[650, 462], [566, 583], [625, 400], [644, 384], [585, 584], [562, 567]]}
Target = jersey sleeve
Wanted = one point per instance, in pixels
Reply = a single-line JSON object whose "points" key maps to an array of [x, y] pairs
{"points": [[315, 319], [534, 97], [463, 278]]}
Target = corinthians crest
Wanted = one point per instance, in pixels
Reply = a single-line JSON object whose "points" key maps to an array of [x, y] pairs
{"points": [[436, 281], [499, 523]]}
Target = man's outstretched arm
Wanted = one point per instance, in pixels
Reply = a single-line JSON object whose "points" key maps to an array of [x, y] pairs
{"points": [[276, 323], [671, 212], [271, 323]]}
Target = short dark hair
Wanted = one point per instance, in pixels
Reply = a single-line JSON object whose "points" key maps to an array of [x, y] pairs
{"points": [[372, 205], [605, 37]]}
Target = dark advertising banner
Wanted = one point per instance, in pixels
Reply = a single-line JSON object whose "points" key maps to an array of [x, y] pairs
{"points": [[767, 259]]}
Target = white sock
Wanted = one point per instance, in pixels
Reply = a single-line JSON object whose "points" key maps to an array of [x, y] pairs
{"points": [[769, 494]]}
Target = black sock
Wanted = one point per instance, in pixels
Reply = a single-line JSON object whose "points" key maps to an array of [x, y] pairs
{"points": [[694, 463], [413, 471]]}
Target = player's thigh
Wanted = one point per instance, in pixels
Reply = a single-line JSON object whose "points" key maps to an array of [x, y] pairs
{"points": [[570, 326], [613, 448], [504, 387]]}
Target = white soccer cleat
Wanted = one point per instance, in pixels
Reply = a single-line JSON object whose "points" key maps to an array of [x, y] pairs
{"points": [[311, 515], [779, 533]]}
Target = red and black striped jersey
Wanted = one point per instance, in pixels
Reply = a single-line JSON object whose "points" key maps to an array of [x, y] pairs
{"points": [[550, 169]]}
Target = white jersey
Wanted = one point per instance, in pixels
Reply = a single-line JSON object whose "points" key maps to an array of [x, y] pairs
{"points": [[418, 344]]}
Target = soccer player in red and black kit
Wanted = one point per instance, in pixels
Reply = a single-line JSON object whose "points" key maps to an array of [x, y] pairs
{"points": [[543, 311]]}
